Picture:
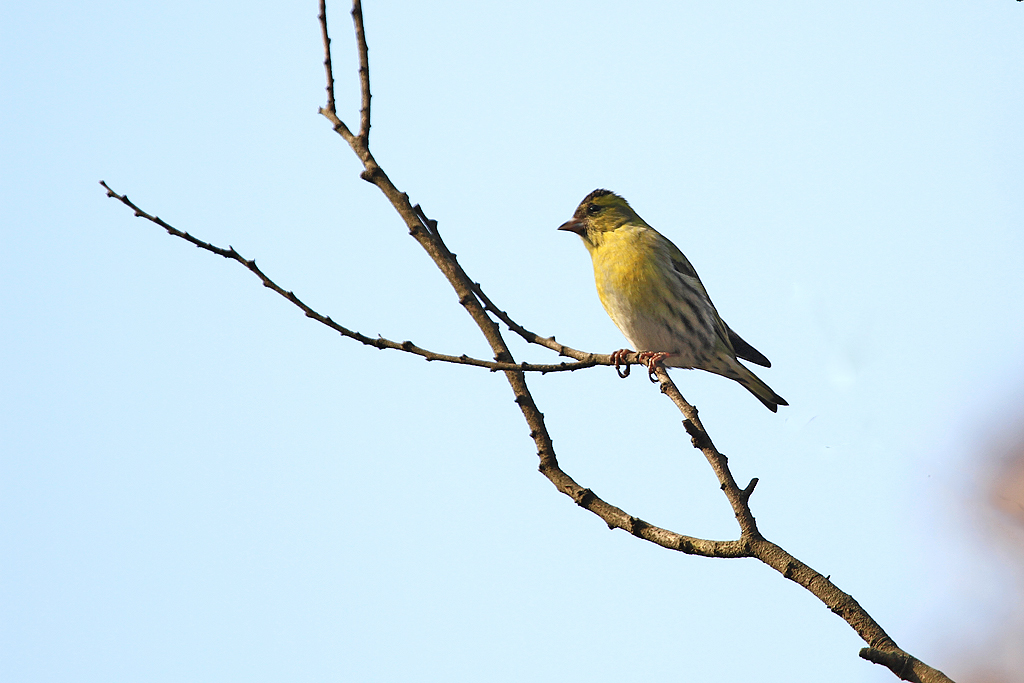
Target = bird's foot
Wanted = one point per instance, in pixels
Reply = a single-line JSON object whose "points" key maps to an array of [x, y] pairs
{"points": [[651, 359], [619, 357]]}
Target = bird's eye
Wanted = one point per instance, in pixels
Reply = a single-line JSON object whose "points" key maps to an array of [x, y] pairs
{"points": [[593, 209]]}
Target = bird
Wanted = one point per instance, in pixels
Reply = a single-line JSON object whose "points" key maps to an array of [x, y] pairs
{"points": [[654, 296]]}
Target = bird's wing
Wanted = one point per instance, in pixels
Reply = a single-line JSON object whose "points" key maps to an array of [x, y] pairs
{"points": [[690, 282], [746, 351], [682, 266], [741, 348]]}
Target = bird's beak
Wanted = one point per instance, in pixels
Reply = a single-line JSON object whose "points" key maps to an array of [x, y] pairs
{"points": [[575, 225]]}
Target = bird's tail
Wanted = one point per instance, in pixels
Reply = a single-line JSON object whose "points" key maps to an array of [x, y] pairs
{"points": [[731, 368]]}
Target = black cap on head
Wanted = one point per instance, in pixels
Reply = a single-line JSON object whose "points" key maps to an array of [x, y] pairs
{"points": [[590, 197], [597, 193]]}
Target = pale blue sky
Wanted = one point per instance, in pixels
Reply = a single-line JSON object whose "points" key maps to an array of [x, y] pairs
{"points": [[198, 483]]}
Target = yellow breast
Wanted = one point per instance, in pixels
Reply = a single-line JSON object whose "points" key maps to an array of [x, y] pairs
{"points": [[631, 285], [625, 271]]}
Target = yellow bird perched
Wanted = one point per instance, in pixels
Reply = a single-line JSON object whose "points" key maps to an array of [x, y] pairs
{"points": [[653, 295]]}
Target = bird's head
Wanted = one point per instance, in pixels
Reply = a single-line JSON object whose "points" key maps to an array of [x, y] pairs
{"points": [[600, 212]]}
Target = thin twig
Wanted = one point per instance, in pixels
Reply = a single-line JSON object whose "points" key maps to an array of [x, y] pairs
{"points": [[376, 342], [534, 338], [719, 463], [364, 72], [531, 337], [327, 56]]}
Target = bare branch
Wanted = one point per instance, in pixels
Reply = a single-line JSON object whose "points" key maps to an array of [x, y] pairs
{"points": [[737, 497], [377, 342], [428, 238], [364, 72], [906, 667], [330, 110], [478, 305], [331, 107], [883, 650], [534, 338], [614, 517]]}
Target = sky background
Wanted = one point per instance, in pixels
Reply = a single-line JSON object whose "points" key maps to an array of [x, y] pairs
{"points": [[197, 483]]}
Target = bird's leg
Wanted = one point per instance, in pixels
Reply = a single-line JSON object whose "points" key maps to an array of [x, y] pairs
{"points": [[650, 359], [619, 357]]}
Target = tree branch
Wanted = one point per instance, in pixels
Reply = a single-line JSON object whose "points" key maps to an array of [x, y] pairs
{"points": [[364, 71], [534, 338], [478, 305], [327, 55], [377, 342], [881, 648]]}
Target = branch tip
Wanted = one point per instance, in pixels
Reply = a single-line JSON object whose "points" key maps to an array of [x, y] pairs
{"points": [[364, 72], [322, 17]]}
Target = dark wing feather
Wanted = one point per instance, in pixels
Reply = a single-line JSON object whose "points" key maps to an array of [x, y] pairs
{"points": [[682, 266], [746, 351], [742, 349]]}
